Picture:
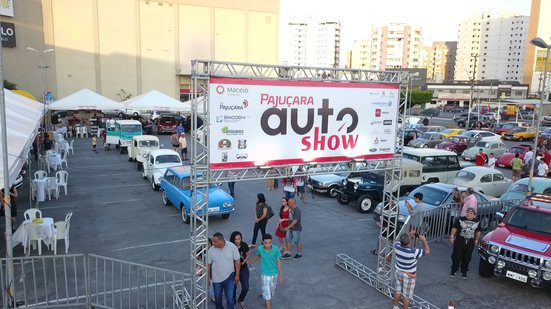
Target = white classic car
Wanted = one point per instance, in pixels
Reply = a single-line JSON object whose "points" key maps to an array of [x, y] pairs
{"points": [[483, 179], [139, 148], [157, 162]]}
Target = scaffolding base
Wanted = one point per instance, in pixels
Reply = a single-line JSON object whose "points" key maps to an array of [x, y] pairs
{"points": [[378, 282]]}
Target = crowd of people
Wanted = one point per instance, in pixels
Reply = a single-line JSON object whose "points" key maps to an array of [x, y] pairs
{"points": [[521, 167], [228, 262]]}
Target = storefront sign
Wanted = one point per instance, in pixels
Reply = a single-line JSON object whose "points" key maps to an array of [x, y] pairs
{"points": [[541, 56], [8, 34], [6, 7]]}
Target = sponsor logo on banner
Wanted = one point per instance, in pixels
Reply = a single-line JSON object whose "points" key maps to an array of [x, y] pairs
{"points": [[228, 107], [241, 156], [377, 112], [376, 141], [382, 104], [220, 89], [385, 149], [387, 131], [242, 144], [387, 122], [376, 122], [373, 150], [224, 157], [230, 118], [229, 131], [224, 144]]}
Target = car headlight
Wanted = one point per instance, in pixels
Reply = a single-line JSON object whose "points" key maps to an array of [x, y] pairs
{"points": [[356, 186], [532, 273], [144, 155], [492, 259], [344, 182], [228, 204], [494, 249], [547, 264], [500, 264]]}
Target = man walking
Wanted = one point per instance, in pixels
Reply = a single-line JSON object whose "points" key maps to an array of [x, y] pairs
{"points": [[529, 155], [517, 164], [480, 158], [492, 161], [270, 268], [469, 202], [224, 266], [293, 231], [543, 168], [464, 237], [406, 267]]}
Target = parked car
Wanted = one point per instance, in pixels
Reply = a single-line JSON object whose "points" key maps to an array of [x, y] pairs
{"points": [[140, 147], [505, 127], [409, 134], [480, 135], [120, 114], [483, 179], [430, 112], [176, 186], [457, 144], [519, 189], [505, 159], [366, 188], [427, 140], [546, 121], [435, 195], [157, 162], [156, 114], [451, 132], [121, 135], [326, 183], [520, 134], [520, 247], [497, 148], [427, 129], [166, 123]]}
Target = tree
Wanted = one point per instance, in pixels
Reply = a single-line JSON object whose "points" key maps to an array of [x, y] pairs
{"points": [[123, 96], [9, 85], [419, 97]]}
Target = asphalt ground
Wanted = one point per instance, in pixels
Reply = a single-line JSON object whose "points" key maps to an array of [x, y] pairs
{"points": [[116, 214]]}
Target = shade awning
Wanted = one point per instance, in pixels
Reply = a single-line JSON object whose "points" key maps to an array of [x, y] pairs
{"points": [[156, 100], [85, 99]]}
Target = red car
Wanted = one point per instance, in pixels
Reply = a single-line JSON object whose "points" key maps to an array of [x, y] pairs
{"points": [[457, 144], [166, 123], [505, 159]]}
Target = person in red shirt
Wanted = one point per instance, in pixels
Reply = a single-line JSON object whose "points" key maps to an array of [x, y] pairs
{"points": [[547, 157], [480, 158]]}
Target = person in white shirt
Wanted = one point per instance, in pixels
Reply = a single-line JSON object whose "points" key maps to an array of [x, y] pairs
{"points": [[542, 168], [492, 161], [528, 156]]}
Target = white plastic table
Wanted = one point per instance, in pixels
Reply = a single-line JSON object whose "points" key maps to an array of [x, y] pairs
{"points": [[45, 229], [40, 189], [54, 160]]}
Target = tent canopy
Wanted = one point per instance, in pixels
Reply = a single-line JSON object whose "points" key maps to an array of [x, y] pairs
{"points": [[23, 118], [85, 99], [200, 107], [155, 100]]}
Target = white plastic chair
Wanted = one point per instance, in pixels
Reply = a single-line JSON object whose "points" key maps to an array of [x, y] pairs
{"points": [[32, 213], [33, 190], [61, 179], [43, 163], [35, 238], [64, 160], [40, 174], [69, 148], [84, 131], [61, 231], [51, 185]]}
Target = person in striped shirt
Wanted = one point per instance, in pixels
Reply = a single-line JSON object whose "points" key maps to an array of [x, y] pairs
{"points": [[406, 266]]}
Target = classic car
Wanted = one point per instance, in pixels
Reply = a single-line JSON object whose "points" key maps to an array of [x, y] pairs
{"points": [[520, 134], [157, 162], [409, 134], [176, 186], [481, 135], [483, 179], [427, 140], [166, 123], [519, 189], [140, 147], [451, 132], [430, 112], [505, 159], [326, 183], [457, 144], [427, 129], [546, 121], [497, 148], [505, 127]]}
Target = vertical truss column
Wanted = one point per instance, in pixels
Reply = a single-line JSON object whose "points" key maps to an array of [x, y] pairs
{"points": [[200, 179], [391, 194]]}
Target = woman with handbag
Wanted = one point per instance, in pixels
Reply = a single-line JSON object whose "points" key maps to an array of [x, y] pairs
{"points": [[261, 218], [283, 223]]}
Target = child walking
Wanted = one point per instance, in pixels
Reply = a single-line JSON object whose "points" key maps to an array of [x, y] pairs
{"points": [[94, 143], [270, 268]]}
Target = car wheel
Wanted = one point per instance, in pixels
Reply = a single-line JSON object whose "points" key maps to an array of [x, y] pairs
{"points": [[485, 269], [143, 174], [138, 165], [120, 115], [165, 199], [121, 149], [185, 216], [433, 180], [130, 159], [332, 192], [136, 114], [155, 186], [520, 139], [342, 199], [226, 216], [365, 204], [425, 146]]}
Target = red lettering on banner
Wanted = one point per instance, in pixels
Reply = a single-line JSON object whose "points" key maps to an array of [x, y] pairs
{"points": [[275, 100], [333, 142]]}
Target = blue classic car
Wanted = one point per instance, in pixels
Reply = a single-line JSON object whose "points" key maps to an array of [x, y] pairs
{"points": [[177, 191]]}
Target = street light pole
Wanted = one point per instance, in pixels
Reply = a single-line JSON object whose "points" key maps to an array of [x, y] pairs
{"points": [[43, 68], [539, 42]]}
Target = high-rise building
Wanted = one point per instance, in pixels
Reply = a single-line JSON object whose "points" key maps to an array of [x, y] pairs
{"points": [[395, 46], [361, 55], [540, 26], [439, 59], [314, 43], [491, 46]]}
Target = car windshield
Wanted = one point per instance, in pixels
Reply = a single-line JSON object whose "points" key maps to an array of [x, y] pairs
{"points": [[469, 134], [482, 144], [162, 159], [464, 175], [426, 136], [520, 188], [517, 150], [448, 131], [131, 128], [149, 143], [431, 195], [458, 139], [516, 130], [526, 219]]}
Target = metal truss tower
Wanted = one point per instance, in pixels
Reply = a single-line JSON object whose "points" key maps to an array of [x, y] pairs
{"points": [[202, 175]]}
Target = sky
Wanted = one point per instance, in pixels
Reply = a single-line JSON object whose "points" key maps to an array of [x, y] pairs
{"points": [[438, 18]]}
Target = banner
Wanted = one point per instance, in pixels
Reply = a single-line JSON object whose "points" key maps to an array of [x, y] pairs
{"points": [[8, 34], [541, 55], [276, 122], [6, 7]]}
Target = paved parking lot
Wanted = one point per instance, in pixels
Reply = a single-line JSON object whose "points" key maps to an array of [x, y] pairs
{"points": [[116, 214]]}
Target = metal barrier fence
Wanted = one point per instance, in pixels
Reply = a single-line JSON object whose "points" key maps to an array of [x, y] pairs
{"points": [[85, 281]]}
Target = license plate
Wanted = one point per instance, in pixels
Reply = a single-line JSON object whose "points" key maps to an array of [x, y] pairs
{"points": [[501, 165], [310, 186], [214, 209], [516, 276]]}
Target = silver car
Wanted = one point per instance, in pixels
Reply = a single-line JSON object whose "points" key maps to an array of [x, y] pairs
{"points": [[327, 183]]}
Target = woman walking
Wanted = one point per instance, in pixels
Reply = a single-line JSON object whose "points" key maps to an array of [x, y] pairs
{"points": [[283, 223], [236, 239], [261, 217], [289, 187]]}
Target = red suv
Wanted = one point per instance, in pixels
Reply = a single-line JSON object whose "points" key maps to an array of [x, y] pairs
{"points": [[520, 247]]}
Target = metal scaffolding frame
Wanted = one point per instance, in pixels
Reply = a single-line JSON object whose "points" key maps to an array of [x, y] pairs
{"points": [[202, 175]]}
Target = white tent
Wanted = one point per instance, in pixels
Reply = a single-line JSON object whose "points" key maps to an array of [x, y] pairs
{"points": [[189, 102], [85, 99], [155, 100], [23, 119]]}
